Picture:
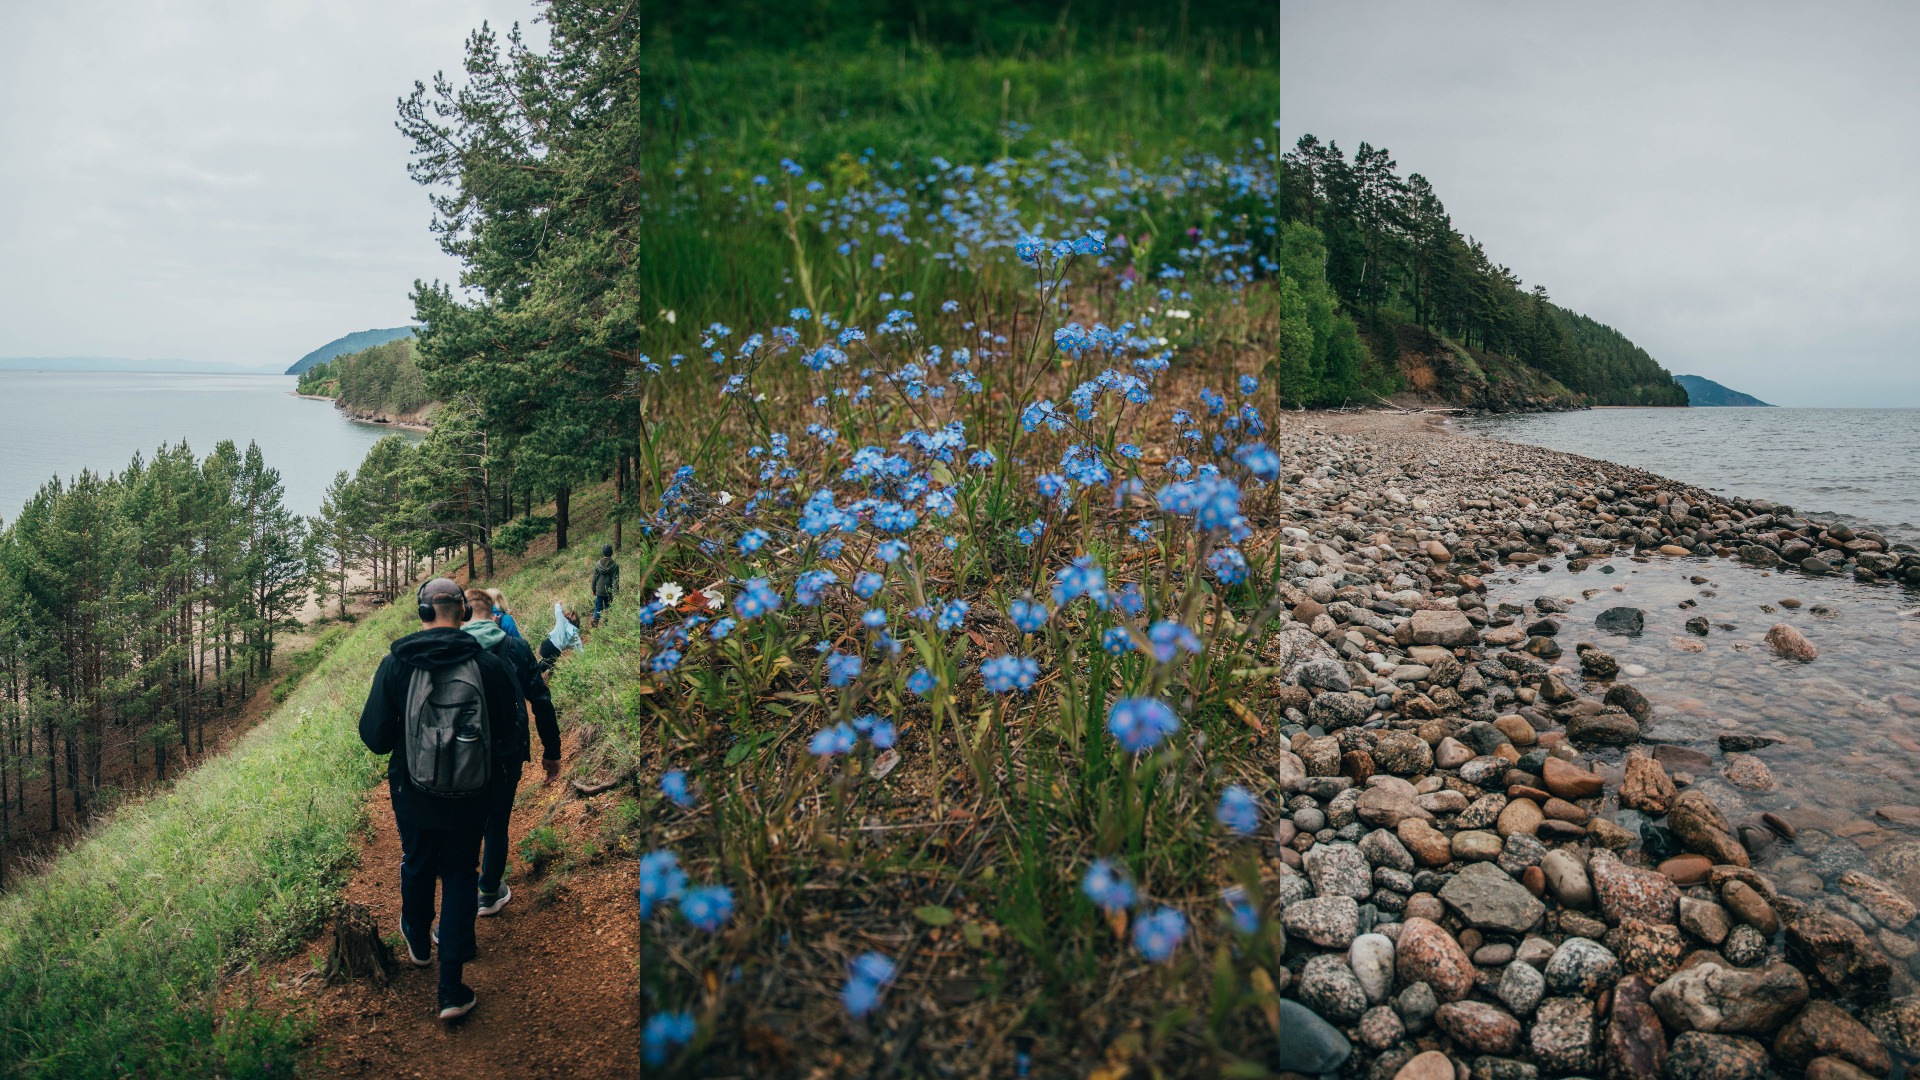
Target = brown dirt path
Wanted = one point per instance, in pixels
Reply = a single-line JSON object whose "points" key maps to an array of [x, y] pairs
{"points": [[556, 980]]}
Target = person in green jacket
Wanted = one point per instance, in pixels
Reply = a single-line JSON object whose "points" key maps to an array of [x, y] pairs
{"points": [[534, 698], [606, 581]]}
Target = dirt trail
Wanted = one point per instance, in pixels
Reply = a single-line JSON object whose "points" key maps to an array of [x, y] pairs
{"points": [[558, 997]]}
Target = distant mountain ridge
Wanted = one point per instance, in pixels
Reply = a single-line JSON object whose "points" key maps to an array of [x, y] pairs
{"points": [[1705, 393], [355, 342], [128, 364]]}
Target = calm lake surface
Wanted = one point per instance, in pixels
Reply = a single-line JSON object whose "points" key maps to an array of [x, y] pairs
{"points": [[62, 422], [1847, 724], [1861, 463]]}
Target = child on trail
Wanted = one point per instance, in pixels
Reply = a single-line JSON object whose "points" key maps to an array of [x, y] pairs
{"points": [[533, 698], [606, 581], [565, 635], [443, 707]]}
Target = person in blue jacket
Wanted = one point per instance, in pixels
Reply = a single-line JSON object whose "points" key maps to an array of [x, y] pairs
{"points": [[501, 616]]}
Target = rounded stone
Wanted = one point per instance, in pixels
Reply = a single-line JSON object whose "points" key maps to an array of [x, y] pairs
{"points": [[1380, 1028], [1689, 869], [1426, 953], [1580, 967], [1700, 1056], [1567, 879], [1479, 1027], [1331, 922], [1306, 1044], [1825, 1030], [1521, 816], [1712, 998], [1475, 845], [1563, 1037], [1328, 987], [1371, 958], [1427, 1065], [1630, 892], [1521, 988]]}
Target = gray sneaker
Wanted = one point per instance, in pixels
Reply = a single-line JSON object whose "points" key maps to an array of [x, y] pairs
{"points": [[491, 903]]}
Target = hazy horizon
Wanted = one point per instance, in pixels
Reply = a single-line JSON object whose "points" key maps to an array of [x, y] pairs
{"points": [[225, 182]]}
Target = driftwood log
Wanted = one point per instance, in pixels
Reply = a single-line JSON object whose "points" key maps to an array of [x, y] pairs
{"points": [[358, 951]]}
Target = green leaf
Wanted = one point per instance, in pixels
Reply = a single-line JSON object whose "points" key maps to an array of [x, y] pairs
{"points": [[934, 915], [747, 746]]}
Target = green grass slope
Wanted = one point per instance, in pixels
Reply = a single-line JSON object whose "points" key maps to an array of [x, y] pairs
{"points": [[110, 962]]}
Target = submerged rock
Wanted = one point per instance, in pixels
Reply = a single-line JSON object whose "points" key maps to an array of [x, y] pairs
{"points": [[1791, 644], [1626, 621]]}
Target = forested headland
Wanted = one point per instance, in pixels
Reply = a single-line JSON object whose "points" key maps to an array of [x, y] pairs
{"points": [[381, 382]]}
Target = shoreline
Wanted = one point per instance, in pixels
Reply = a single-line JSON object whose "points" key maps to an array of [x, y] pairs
{"points": [[387, 422], [1554, 885]]}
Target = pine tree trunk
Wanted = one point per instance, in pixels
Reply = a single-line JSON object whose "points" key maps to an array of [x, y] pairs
{"points": [[562, 500], [53, 783]]}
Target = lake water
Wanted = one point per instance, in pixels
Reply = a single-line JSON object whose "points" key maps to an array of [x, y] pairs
{"points": [[1847, 724], [1860, 463], [62, 422]]}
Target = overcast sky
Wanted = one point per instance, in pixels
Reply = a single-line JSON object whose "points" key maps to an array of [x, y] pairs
{"points": [[213, 179], [1736, 187]]}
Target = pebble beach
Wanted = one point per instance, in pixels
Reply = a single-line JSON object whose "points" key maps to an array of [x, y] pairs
{"points": [[1588, 772]]}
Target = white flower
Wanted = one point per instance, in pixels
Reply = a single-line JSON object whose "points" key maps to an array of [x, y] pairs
{"points": [[1179, 313], [669, 315], [725, 498], [669, 594], [714, 597]]}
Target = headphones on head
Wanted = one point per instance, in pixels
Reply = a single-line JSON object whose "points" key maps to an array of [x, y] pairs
{"points": [[426, 606]]}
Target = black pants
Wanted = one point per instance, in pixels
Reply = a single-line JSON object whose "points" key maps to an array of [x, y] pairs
{"points": [[493, 862], [450, 858]]}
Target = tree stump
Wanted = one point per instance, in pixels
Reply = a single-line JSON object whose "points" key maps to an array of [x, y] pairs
{"points": [[358, 950]]}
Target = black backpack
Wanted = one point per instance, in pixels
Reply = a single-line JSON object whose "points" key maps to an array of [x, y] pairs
{"points": [[447, 739]]}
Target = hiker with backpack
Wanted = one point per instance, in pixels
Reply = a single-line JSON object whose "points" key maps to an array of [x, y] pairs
{"points": [[606, 581], [532, 698], [443, 707]]}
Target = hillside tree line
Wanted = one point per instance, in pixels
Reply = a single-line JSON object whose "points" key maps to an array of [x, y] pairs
{"points": [[1392, 252], [132, 606]]}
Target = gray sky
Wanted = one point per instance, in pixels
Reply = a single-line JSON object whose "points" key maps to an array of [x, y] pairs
{"points": [[1736, 187], [213, 179]]}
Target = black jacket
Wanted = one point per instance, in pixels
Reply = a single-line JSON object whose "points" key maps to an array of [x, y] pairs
{"points": [[532, 687], [382, 720]]}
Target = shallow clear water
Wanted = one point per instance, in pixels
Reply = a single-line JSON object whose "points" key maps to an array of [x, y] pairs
{"points": [[1846, 746], [62, 422], [1862, 463]]}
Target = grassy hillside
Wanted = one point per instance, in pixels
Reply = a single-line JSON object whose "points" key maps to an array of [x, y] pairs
{"points": [[109, 963]]}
